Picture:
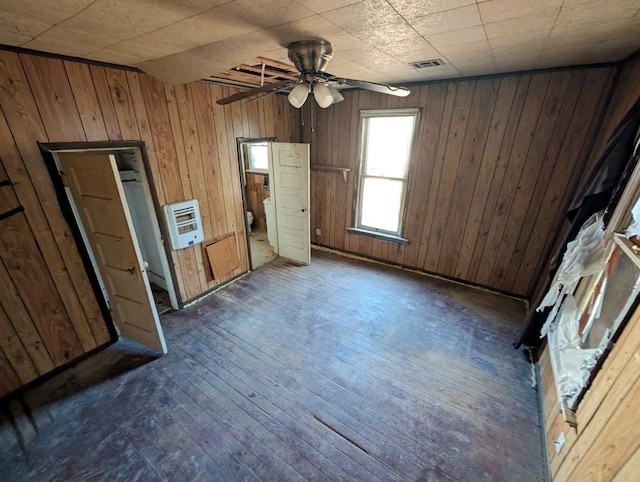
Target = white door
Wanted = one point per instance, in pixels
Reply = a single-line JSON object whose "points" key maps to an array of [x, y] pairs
{"points": [[289, 164], [97, 192]]}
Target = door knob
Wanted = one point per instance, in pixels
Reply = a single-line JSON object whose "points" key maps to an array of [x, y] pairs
{"points": [[304, 210]]}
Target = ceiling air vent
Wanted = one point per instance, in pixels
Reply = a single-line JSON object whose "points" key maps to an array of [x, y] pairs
{"points": [[426, 63]]}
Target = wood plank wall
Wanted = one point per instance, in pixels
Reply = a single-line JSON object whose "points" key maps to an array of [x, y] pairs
{"points": [[496, 159], [256, 194], [192, 151], [606, 443]]}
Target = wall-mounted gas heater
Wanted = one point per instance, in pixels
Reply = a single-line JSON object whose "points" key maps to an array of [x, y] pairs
{"points": [[183, 222]]}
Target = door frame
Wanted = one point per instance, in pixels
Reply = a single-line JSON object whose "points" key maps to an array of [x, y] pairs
{"points": [[243, 185], [49, 151]]}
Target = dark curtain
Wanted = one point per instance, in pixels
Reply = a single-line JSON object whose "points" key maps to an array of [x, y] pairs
{"points": [[601, 189]]}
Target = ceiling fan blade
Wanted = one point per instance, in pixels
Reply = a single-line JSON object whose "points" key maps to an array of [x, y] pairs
{"points": [[259, 90], [374, 86]]}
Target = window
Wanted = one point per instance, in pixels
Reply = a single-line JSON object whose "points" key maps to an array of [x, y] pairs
{"points": [[257, 157], [386, 147]]}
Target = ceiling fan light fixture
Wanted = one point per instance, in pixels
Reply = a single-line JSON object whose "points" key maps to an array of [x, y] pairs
{"points": [[323, 95], [335, 93], [298, 95]]}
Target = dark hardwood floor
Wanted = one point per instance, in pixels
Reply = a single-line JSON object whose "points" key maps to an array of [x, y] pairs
{"points": [[342, 370]]}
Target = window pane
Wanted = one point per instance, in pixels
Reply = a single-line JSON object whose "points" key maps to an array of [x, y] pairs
{"points": [[258, 156], [388, 145], [380, 205]]}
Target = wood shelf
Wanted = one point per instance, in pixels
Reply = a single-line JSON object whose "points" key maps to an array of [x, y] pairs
{"points": [[343, 170]]}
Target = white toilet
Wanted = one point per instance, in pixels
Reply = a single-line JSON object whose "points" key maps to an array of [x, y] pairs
{"points": [[249, 221]]}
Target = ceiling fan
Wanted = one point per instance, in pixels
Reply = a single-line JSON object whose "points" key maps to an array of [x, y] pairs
{"points": [[311, 58]]}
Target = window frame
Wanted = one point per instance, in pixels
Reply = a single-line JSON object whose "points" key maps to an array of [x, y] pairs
{"points": [[406, 180], [246, 154]]}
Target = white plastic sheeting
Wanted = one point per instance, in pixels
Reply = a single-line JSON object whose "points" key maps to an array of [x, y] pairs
{"points": [[585, 255], [571, 364], [634, 227]]}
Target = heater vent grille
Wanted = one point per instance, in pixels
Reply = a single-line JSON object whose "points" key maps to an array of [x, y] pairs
{"points": [[183, 223], [427, 63]]}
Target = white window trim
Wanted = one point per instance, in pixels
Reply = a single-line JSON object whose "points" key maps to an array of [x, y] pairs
{"points": [[358, 226], [246, 148]]}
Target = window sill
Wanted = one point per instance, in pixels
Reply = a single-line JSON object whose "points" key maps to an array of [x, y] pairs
{"points": [[382, 236]]}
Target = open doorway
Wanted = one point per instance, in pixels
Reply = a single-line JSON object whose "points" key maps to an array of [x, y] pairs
{"points": [[106, 197], [259, 208], [147, 231]]}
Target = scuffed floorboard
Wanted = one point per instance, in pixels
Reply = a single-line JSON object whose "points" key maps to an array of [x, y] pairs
{"points": [[342, 370]]}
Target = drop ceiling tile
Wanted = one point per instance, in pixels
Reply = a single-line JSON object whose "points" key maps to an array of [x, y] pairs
{"points": [[457, 37], [59, 46], [362, 16], [621, 47], [345, 41], [264, 13], [596, 11], [473, 63], [468, 48], [471, 70], [281, 54], [577, 35], [321, 6], [146, 50], [535, 27], [115, 57], [210, 59], [218, 24], [381, 64], [371, 59], [315, 27], [425, 52], [18, 30], [124, 19], [80, 42], [457, 19], [390, 33], [419, 8], [516, 64], [571, 56], [202, 29], [354, 54], [348, 69], [50, 12], [396, 76], [478, 57], [518, 43], [498, 10]]}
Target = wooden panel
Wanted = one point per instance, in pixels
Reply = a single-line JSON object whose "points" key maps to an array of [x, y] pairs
{"points": [[86, 100], [623, 95], [14, 350], [191, 151], [496, 162], [54, 98], [606, 417], [12, 304], [21, 257], [223, 256], [19, 152], [9, 381], [8, 200]]}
